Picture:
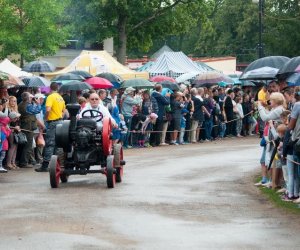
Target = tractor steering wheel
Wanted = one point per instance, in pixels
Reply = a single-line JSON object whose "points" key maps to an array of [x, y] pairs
{"points": [[96, 115]]}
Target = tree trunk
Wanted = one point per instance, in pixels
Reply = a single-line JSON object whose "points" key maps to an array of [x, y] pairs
{"points": [[21, 61], [181, 42], [122, 39]]}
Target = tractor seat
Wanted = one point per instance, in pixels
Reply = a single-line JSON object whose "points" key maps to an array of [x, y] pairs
{"points": [[86, 122]]}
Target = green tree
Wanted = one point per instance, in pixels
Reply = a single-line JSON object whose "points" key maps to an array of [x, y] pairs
{"points": [[281, 27], [133, 23], [31, 28]]}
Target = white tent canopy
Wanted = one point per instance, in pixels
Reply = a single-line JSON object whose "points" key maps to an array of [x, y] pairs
{"points": [[174, 64], [8, 67]]}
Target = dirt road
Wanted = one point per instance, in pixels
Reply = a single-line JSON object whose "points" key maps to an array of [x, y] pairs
{"points": [[174, 197]]}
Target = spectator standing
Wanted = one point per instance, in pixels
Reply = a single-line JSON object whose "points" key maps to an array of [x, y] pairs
{"points": [[197, 115], [229, 113], [277, 103], [127, 103], [189, 105], [240, 116], [162, 102], [28, 108], [12, 151], [209, 105], [55, 109], [12, 104], [177, 105], [37, 154]]}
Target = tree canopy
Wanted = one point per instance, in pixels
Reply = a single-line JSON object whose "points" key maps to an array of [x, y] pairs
{"points": [[31, 28], [133, 23]]}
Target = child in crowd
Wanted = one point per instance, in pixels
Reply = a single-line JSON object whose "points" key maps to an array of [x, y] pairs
{"points": [[263, 162], [123, 128], [138, 139], [281, 130], [5, 132]]}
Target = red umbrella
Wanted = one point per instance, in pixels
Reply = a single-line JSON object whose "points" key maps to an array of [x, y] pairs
{"points": [[99, 83], [160, 78]]}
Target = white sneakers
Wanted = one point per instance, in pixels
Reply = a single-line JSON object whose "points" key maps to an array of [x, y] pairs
{"points": [[3, 170]]}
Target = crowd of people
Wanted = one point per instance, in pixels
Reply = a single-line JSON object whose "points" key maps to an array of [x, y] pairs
{"points": [[158, 117]]}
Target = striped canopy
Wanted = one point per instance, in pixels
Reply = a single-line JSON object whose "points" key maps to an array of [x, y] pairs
{"points": [[174, 64]]}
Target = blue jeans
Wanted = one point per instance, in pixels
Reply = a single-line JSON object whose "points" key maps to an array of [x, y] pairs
{"points": [[50, 147], [208, 125], [222, 129], [293, 176]]}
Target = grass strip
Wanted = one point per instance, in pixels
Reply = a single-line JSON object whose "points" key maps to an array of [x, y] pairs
{"points": [[275, 198]]}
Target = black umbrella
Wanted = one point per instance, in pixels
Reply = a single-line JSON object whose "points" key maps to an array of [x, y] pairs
{"points": [[82, 73], [67, 76], [269, 61], [113, 78], [288, 68], [75, 85], [39, 66], [276, 144], [170, 85], [138, 83]]}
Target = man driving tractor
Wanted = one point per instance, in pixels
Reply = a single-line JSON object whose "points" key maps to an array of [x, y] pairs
{"points": [[96, 104]]}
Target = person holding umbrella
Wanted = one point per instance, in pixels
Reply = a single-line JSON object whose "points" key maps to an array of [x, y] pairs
{"points": [[162, 102], [55, 110], [277, 103], [28, 109]]}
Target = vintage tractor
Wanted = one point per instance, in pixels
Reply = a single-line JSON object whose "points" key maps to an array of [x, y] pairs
{"points": [[84, 145]]}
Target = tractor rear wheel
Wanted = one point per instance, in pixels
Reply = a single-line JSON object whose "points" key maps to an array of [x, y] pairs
{"points": [[118, 157], [106, 136]]}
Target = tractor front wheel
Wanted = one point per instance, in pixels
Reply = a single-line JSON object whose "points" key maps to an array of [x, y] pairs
{"points": [[54, 171], [110, 172]]}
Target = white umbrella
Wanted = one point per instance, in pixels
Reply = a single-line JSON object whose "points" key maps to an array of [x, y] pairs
{"points": [[263, 73], [187, 76]]}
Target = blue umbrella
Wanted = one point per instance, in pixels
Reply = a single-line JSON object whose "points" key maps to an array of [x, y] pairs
{"points": [[166, 90], [294, 80]]}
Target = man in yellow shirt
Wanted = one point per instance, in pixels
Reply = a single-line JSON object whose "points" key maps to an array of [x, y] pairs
{"points": [[55, 109], [263, 95]]}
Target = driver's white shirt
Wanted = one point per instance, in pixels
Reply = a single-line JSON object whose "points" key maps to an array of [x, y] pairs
{"points": [[101, 108]]}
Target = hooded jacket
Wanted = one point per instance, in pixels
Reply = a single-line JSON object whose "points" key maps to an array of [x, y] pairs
{"points": [[162, 101]]}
